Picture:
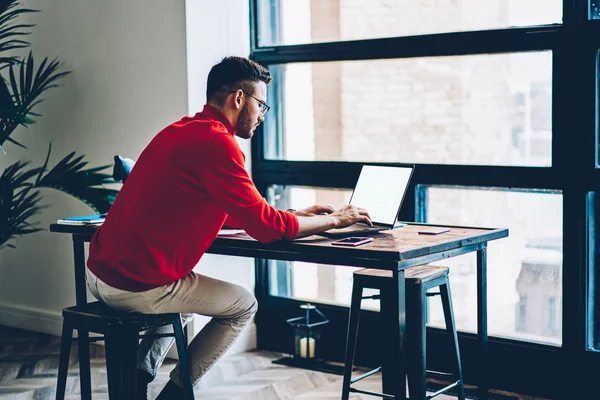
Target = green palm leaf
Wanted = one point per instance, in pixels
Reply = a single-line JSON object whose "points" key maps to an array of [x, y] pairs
{"points": [[70, 176], [20, 192], [19, 202], [25, 94], [10, 33]]}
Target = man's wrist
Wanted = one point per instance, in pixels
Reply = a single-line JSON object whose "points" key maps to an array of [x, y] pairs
{"points": [[335, 221]]}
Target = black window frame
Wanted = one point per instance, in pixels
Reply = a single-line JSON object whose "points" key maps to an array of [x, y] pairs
{"points": [[529, 368]]}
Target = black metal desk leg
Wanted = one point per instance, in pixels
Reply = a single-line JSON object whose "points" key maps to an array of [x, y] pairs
{"points": [[393, 309], [482, 325], [79, 255], [83, 341]]}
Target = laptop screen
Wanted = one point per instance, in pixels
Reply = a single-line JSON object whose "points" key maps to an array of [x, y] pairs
{"points": [[381, 190]]}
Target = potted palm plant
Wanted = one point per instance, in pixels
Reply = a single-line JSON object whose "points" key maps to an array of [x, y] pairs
{"points": [[22, 84]]}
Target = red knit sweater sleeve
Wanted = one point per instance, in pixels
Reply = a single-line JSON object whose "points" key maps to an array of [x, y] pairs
{"points": [[230, 223], [223, 176]]}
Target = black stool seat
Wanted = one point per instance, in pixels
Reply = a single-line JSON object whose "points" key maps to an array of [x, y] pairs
{"points": [[413, 276], [418, 281], [99, 317], [121, 334]]}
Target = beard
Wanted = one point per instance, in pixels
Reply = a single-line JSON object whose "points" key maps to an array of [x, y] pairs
{"points": [[245, 127]]}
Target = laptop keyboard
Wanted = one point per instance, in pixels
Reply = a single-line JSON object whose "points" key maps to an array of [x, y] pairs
{"points": [[356, 229]]}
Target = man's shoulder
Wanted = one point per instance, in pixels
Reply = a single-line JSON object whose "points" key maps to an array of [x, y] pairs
{"points": [[199, 122], [190, 130]]}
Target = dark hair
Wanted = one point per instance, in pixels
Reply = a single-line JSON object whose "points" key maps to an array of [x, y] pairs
{"points": [[234, 73]]}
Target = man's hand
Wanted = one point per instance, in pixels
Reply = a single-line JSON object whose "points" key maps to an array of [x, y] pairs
{"points": [[325, 220], [349, 215], [314, 210]]}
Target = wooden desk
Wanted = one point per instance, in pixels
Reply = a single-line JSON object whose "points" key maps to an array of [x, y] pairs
{"points": [[393, 250]]}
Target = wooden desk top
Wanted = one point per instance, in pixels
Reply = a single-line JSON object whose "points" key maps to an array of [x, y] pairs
{"points": [[393, 246]]}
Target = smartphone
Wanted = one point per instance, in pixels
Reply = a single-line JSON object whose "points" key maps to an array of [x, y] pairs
{"points": [[433, 231], [352, 241]]}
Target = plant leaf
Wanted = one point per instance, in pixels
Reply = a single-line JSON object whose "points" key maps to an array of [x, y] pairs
{"points": [[70, 176], [26, 91], [16, 210], [11, 33], [21, 185]]}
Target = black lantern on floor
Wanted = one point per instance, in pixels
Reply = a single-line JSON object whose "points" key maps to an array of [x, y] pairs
{"points": [[307, 331]]}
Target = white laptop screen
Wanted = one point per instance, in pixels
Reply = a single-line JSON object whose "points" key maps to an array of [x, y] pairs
{"points": [[381, 190]]}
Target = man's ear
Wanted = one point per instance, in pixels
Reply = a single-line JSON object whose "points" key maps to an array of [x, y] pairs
{"points": [[238, 99]]}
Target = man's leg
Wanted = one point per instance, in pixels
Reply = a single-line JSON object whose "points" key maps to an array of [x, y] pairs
{"points": [[231, 306], [152, 353]]}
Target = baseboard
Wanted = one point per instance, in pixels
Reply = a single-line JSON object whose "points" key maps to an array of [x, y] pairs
{"points": [[31, 319]]}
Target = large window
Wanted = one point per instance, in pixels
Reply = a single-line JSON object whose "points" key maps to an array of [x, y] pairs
{"points": [[313, 21], [479, 110], [524, 270], [496, 104]]}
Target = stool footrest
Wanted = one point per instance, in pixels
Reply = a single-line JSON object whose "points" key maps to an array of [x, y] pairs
{"points": [[383, 395], [444, 390], [91, 339], [157, 336], [438, 374], [432, 294], [373, 297], [365, 375]]}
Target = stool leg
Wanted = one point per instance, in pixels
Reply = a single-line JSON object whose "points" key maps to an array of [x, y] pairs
{"points": [[85, 380], [113, 364], [416, 326], [63, 364], [129, 344], [451, 329], [352, 333], [184, 366]]}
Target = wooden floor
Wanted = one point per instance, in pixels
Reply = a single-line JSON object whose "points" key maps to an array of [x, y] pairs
{"points": [[29, 364]]}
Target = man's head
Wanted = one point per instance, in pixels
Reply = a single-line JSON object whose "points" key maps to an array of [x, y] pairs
{"points": [[238, 86]]}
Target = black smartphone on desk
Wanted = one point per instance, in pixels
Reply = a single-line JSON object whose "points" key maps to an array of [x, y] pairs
{"points": [[352, 241]]}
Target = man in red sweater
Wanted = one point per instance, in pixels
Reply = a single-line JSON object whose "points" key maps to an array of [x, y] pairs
{"points": [[186, 185]]}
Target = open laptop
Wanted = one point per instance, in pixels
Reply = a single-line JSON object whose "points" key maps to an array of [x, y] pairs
{"points": [[380, 190]]}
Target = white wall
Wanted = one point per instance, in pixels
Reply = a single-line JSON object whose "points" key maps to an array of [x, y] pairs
{"points": [[129, 79]]}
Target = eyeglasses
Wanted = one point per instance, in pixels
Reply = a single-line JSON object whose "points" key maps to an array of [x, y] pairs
{"points": [[264, 108]]}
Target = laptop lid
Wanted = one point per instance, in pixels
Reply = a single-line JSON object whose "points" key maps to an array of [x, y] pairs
{"points": [[381, 190]]}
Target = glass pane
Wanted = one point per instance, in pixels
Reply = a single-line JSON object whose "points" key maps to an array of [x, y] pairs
{"points": [[524, 270], [594, 9], [598, 109], [307, 281], [481, 110], [593, 311], [287, 22]]}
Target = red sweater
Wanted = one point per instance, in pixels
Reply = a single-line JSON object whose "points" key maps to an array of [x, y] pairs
{"points": [[184, 185]]}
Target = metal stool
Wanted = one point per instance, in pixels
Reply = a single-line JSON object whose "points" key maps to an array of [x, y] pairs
{"points": [[418, 281], [121, 332]]}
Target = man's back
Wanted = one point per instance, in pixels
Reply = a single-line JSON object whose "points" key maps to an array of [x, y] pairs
{"points": [[176, 199]]}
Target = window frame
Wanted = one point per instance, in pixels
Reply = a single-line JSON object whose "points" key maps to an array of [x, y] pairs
{"points": [[574, 143]]}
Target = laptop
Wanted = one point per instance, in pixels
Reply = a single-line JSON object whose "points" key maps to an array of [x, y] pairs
{"points": [[381, 190]]}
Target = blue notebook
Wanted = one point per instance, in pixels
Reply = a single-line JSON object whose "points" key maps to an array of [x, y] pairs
{"points": [[83, 220]]}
